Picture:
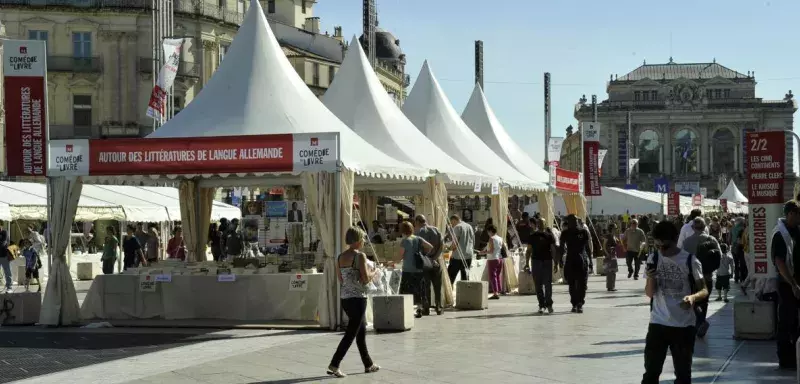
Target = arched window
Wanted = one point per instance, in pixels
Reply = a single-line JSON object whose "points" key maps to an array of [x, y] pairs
{"points": [[685, 152], [723, 151], [649, 152]]}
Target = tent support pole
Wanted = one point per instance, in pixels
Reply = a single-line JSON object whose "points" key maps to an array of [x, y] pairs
{"points": [[49, 212], [337, 226]]}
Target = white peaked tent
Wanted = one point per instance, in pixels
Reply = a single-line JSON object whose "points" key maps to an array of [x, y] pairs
{"points": [[429, 109], [733, 194], [480, 117], [255, 91], [357, 97]]}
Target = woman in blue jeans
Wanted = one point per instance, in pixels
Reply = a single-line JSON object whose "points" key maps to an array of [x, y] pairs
{"points": [[351, 267]]}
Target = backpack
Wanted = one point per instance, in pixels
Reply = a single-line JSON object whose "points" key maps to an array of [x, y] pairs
{"points": [[709, 254]]}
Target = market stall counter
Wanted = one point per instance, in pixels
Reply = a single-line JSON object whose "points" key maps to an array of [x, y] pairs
{"points": [[258, 297]]}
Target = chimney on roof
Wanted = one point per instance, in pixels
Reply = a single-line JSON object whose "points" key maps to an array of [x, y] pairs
{"points": [[312, 25], [748, 73], [337, 33]]}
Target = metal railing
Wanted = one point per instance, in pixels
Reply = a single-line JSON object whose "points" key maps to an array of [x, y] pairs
{"points": [[185, 68], [199, 8], [75, 64]]}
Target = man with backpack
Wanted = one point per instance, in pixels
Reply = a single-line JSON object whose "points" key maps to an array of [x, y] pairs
{"points": [[674, 284], [706, 248]]}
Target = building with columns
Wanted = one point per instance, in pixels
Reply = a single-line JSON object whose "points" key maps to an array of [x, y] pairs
{"points": [[100, 56], [686, 122]]}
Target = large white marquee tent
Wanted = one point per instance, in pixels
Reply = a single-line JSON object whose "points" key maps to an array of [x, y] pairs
{"points": [[733, 194]]}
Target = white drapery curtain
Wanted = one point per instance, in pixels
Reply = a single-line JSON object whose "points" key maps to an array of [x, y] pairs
{"points": [[60, 305], [368, 207], [433, 204], [320, 189], [196, 206], [499, 212], [546, 208]]}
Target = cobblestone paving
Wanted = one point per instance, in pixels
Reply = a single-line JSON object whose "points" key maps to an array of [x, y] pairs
{"points": [[506, 343]]}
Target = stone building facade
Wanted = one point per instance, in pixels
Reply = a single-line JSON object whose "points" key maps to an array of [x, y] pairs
{"points": [[687, 122]]}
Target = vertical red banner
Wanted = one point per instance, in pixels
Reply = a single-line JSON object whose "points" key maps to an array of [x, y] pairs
{"points": [[765, 153], [25, 103], [724, 204], [591, 163], [673, 204]]}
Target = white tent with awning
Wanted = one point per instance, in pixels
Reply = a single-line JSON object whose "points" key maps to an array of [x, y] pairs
{"points": [[480, 117], [732, 194], [429, 109], [28, 201]]}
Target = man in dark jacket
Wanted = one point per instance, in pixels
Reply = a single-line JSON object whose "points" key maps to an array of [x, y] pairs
{"points": [[5, 260], [785, 254], [576, 243], [434, 237]]}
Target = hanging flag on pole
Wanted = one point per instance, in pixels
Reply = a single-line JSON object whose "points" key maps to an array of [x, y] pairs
{"points": [[166, 77]]}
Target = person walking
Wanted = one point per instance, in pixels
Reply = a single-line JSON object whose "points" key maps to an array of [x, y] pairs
{"points": [[412, 277], [723, 284], [32, 264], [635, 241], [494, 261], [461, 257], [674, 284], [540, 261], [351, 268], [576, 247], [786, 256], [132, 250], [706, 249], [110, 247], [739, 266], [610, 263], [686, 229], [433, 276]]}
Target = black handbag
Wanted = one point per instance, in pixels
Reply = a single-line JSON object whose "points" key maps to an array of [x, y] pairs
{"points": [[423, 262]]}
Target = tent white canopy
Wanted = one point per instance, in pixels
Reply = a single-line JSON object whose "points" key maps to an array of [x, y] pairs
{"points": [[733, 194], [429, 109], [618, 201], [357, 97], [28, 201], [255, 91], [480, 117]]}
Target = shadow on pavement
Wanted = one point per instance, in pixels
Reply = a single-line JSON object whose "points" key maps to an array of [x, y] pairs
{"points": [[292, 381], [29, 354]]}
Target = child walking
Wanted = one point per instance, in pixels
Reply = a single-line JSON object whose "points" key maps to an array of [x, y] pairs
{"points": [[610, 264], [32, 264], [724, 272]]}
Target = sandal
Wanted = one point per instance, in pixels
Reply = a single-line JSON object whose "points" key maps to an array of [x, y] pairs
{"points": [[374, 368], [335, 372]]}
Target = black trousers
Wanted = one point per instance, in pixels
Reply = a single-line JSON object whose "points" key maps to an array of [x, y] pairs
{"points": [[542, 271], [788, 325], [631, 259], [577, 277], [739, 264], [411, 284], [355, 309], [457, 265], [432, 277], [703, 304], [108, 267], [679, 341]]}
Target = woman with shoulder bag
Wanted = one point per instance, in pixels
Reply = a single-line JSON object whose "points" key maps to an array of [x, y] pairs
{"points": [[351, 267], [412, 251], [494, 261]]}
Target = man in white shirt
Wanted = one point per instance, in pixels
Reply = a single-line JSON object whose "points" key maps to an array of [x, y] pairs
{"points": [[687, 229], [674, 283]]}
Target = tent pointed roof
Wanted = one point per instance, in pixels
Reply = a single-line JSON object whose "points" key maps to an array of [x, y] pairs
{"points": [[255, 91], [480, 117], [732, 194], [428, 108], [357, 97]]}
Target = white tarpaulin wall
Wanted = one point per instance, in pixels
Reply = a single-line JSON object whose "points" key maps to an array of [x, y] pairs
{"points": [[28, 201]]}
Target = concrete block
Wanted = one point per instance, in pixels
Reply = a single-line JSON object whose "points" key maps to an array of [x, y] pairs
{"points": [[599, 266], [526, 284], [472, 295], [20, 276], [393, 312], [753, 319], [87, 271], [21, 308]]}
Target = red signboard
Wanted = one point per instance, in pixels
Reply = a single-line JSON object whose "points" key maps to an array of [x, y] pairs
{"points": [[591, 163], [673, 203], [568, 181], [697, 200], [765, 153], [724, 204], [194, 155], [25, 102]]}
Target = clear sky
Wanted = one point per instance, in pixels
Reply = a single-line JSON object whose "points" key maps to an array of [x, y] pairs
{"points": [[580, 42]]}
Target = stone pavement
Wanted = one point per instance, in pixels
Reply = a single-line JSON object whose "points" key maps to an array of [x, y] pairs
{"points": [[505, 343]]}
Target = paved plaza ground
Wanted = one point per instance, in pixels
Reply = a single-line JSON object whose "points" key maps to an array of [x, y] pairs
{"points": [[504, 344]]}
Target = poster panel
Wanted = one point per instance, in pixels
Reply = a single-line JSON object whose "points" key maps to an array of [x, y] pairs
{"points": [[25, 105], [591, 163], [673, 204], [554, 150], [564, 180], [766, 163]]}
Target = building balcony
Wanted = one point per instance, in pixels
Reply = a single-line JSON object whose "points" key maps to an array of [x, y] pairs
{"points": [[74, 64], [191, 8], [185, 69]]}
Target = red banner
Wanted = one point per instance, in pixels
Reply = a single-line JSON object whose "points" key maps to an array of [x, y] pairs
{"points": [[724, 204], [673, 204], [194, 155], [568, 181], [697, 200], [591, 164], [765, 153], [25, 102]]}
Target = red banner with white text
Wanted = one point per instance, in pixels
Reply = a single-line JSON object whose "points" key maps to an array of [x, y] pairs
{"points": [[25, 104], [673, 204], [564, 180], [724, 204], [591, 159], [195, 155]]}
